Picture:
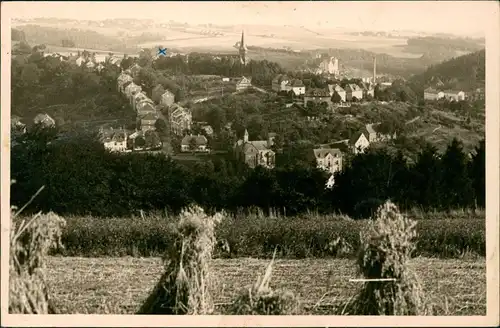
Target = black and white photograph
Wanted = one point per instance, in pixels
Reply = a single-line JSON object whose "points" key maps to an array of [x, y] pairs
{"points": [[250, 159]]}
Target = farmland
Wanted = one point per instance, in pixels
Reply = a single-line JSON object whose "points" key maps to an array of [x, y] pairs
{"points": [[119, 285]]}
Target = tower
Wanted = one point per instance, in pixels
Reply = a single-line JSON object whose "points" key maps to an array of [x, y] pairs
{"points": [[374, 69], [243, 49], [245, 136]]}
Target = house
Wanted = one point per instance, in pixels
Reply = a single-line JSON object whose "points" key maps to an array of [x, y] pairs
{"points": [[207, 128], [317, 96], [255, 153], [157, 92], [243, 83], [280, 82], [197, 143], [373, 135], [283, 83], [44, 120], [328, 159], [180, 119], [131, 90], [99, 67], [353, 92], [336, 88], [16, 125], [368, 90], [297, 86], [114, 140], [135, 69], [329, 66], [145, 140], [454, 95], [359, 143], [148, 121], [122, 79], [225, 79], [145, 106], [138, 97], [477, 94], [167, 98], [433, 94]]}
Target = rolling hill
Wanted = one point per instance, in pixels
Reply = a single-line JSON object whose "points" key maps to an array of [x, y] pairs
{"points": [[465, 73]]}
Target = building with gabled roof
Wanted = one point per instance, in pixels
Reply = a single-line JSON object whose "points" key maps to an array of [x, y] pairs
{"points": [[353, 91], [199, 142], [45, 120], [181, 119], [317, 96], [332, 88], [359, 142], [255, 153], [328, 159], [114, 140]]}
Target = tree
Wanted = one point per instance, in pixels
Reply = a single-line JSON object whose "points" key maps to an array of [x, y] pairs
{"points": [[151, 139], [139, 142], [455, 181], [478, 174], [193, 145], [126, 63], [354, 99], [336, 98]]}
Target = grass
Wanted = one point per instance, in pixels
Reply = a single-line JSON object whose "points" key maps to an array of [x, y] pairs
{"points": [[120, 285], [446, 235]]}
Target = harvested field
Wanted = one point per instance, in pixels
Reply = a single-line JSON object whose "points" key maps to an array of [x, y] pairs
{"points": [[119, 285]]}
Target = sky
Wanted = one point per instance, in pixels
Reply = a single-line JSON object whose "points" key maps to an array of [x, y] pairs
{"points": [[459, 17]]}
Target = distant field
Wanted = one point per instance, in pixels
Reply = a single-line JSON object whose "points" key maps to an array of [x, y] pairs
{"points": [[296, 42], [119, 285]]}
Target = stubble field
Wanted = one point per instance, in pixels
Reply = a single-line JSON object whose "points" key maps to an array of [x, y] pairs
{"points": [[119, 285]]}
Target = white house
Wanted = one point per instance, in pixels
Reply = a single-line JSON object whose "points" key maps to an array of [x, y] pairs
{"points": [[114, 140], [454, 95], [433, 94], [359, 143], [328, 159], [332, 88]]}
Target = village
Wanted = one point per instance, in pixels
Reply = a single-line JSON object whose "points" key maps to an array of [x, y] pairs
{"points": [[160, 118]]}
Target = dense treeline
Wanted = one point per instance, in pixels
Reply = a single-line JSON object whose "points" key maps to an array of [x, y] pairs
{"points": [[82, 178], [465, 72]]}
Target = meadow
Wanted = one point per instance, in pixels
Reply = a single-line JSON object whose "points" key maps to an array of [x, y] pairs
{"points": [[119, 285], [311, 271]]}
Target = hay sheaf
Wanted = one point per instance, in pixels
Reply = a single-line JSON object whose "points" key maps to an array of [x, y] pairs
{"points": [[385, 251], [184, 287], [261, 299], [29, 246]]}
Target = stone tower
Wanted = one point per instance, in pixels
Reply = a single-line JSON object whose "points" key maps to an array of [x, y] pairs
{"points": [[243, 49], [374, 69]]}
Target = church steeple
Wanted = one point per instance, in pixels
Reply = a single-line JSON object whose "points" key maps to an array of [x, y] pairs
{"points": [[243, 49], [245, 136]]}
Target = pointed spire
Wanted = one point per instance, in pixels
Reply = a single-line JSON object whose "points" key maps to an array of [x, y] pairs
{"points": [[245, 136], [242, 44]]}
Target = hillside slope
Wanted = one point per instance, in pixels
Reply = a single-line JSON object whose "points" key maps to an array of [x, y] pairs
{"points": [[465, 72]]}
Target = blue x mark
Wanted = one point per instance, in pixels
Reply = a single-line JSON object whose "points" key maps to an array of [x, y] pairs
{"points": [[162, 51]]}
